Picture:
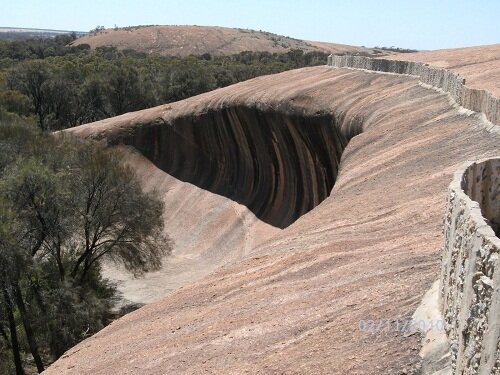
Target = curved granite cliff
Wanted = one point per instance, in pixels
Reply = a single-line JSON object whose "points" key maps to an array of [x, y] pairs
{"points": [[268, 300], [280, 165]]}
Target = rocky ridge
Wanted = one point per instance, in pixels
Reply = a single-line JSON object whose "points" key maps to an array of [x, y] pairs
{"points": [[291, 302]]}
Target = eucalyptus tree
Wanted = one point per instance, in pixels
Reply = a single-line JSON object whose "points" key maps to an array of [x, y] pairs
{"points": [[71, 205]]}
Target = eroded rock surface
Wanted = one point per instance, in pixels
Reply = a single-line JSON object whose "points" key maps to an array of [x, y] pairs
{"points": [[292, 304]]}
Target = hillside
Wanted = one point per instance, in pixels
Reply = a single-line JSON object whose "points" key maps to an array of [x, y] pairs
{"points": [[237, 164], [197, 40]]}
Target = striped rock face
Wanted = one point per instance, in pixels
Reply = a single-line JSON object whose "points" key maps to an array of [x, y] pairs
{"points": [[273, 270]]}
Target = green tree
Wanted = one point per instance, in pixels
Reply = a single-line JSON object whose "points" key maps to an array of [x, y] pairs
{"points": [[9, 231], [15, 102], [124, 92], [70, 206], [93, 100], [31, 78], [186, 80]]}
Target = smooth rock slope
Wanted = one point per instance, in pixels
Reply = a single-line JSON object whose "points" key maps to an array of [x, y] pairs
{"points": [[289, 301]]}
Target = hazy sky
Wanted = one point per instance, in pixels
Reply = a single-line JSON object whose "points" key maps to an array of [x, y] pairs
{"points": [[421, 24]]}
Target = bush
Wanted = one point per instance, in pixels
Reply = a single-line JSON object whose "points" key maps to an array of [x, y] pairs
{"points": [[65, 207]]}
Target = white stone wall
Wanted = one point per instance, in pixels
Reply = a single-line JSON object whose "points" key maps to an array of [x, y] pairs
{"points": [[473, 99], [470, 277], [470, 274]]}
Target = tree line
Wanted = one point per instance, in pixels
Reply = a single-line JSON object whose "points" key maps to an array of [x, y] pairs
{"points": [[61, 87]]}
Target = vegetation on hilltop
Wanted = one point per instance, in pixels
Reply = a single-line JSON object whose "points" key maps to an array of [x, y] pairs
{"points": [[62, 87], [396, 49]]}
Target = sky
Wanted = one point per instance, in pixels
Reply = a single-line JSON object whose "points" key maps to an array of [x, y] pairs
{"points": [[421, 24]]}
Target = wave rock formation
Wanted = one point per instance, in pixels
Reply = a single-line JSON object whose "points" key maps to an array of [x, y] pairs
{"points": [[273, 270]]}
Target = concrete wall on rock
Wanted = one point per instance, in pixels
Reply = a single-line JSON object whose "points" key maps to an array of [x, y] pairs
{"points": [[473, 99], [470, 275]]}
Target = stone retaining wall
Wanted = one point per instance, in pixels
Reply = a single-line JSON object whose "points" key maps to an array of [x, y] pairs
{"points": [[470, 275], [473, 99]]}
